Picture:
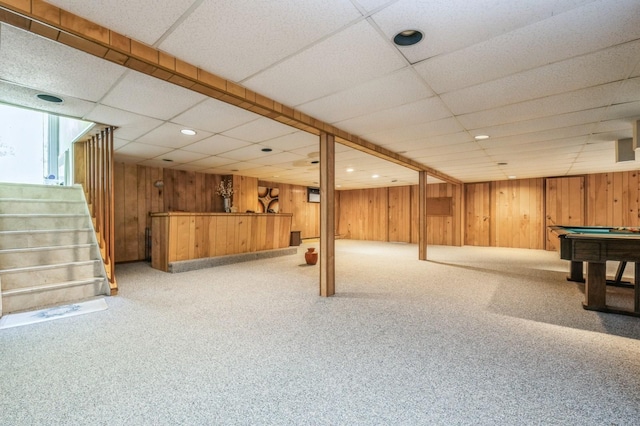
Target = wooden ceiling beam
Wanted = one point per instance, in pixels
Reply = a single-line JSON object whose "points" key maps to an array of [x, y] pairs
{"points": [[61, 26]]}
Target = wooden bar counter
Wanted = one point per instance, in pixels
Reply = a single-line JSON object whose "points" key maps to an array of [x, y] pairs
{"points": [[178, 236]]}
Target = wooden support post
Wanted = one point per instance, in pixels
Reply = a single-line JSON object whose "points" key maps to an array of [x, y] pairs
{"points": [[422, 215], [327, 215]]}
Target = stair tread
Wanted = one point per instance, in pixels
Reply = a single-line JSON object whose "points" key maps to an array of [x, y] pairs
{"points": [[45, 267], [47, 287], [9, 215], [45, 248], [40, 200], [60, 230]]}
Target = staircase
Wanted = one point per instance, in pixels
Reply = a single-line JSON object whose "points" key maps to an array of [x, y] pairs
{"points": [[48, 249]]}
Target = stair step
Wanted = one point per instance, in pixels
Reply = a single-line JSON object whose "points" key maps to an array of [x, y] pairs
{"points": [[25, 222], [45, 238], [17, 278], [36, 256], [56, 293], [31, 205], [55, 192]]}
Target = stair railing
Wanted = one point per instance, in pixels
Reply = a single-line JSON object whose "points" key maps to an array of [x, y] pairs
{"points": [[99, 193]]}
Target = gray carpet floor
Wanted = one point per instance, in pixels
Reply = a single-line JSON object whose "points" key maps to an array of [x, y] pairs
{"points": [[475, 336]]}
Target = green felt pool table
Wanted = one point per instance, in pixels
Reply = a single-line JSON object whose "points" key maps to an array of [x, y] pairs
{"points": [[596, 245]]}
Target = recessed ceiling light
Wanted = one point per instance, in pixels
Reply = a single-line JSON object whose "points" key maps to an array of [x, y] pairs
{"points": [[481, 137], [188, 132], [375, 176], [512, 177], [266, 149], [49, 98], [338, 186], [407, 37], [349, 170]]}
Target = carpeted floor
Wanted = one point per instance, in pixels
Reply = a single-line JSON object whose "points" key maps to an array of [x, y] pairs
{"points": [[477, 336]]}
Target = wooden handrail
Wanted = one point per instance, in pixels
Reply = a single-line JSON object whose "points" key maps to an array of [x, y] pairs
{"points": [[100, 197]]}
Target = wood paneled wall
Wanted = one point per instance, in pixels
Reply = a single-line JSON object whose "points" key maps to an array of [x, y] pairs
{"points": [[502, 214], [514, 211], [136, 197], [293, 199], [613, 199], [391, 214], [564, 204]]}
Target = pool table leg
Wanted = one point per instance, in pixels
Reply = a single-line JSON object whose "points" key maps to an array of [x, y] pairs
{"points": [[595, 290], [636, 289], [575, 272]]}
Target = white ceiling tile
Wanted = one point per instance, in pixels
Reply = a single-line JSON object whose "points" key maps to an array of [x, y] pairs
{"points": [[130, 126], [292, 141], [141, 150], [450, 25], [180, 156], [612, 64], [25, 97], [270, 32], [216, 144], [169, 135], [284, 159], [35, 62], [327, 67], [417, 131], [389, 91], [211, 162], [534, 45], [251, 153], [215, 116], [141, 19], [429, 142], [150, 96], [260, 130], [579, 100], [423, 111]]}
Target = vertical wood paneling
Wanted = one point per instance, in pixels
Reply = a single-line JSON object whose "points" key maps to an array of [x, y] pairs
{"points": [[612, 199], [478, 214], [400, 214], [564, 205], [516, 219]]}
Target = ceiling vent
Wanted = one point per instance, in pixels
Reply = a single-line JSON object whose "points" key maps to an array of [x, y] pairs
{"points": [[624, 150]]}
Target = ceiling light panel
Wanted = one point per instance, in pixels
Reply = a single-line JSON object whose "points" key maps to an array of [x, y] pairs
{"points": [[297, 79], [270, 32], [89, 78]]}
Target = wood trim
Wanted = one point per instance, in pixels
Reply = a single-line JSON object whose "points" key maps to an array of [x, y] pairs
{"points": [[96, 40]]}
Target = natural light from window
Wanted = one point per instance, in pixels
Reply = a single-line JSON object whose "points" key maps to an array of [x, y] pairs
{"points": [[35, 147]]}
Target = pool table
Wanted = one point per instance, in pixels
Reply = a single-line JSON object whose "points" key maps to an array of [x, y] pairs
{"points": [[596, 245]]}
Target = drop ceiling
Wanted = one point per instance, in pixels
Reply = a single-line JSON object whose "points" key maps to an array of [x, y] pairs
{"points": [[554, 83]]}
